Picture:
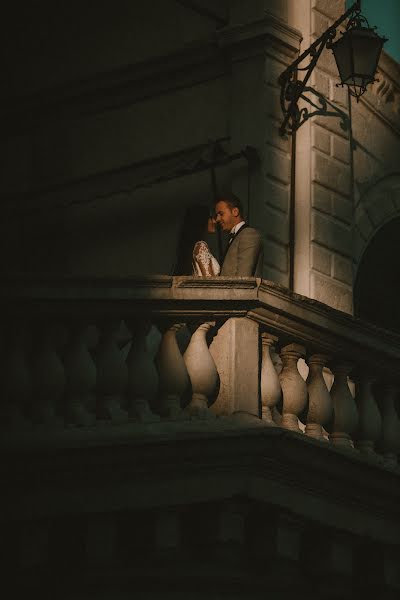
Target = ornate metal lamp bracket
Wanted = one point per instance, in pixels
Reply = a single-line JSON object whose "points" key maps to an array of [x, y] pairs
{"points": [[325, 108], [292, 88]]}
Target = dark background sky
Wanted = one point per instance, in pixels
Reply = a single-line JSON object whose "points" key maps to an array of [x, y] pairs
{"points": [[385, 14]]}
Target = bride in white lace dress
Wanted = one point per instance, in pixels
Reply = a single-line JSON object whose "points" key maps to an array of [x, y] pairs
{"points": [[204, 263]]}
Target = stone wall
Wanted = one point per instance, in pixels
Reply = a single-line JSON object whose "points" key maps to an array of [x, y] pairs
{"points": [[345, 190], [106, 110], [255, 121], [102, 130], [92, 123], [377, 145], [323, 244]]}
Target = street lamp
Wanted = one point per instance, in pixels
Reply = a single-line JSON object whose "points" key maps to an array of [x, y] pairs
{"points": [[356, 53]]}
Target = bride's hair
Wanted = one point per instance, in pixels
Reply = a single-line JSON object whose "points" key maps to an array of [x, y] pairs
{"points": [[193, 228]]}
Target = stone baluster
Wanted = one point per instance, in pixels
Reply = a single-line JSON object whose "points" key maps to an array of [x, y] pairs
{"points": [[172, 372], [369, 428], [320, 408], [345, 417], [202, 371], [271, 392], [294, 387], [142, 374], [278, 366], [390, 436], [112, 374], [16, 381], [80, 377], [48, 377]]}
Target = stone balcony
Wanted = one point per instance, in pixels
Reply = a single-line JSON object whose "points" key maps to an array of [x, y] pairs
{"points": [[163, 396]]}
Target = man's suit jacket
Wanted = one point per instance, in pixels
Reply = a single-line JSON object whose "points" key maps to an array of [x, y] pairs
{"points": [[244, 256]]}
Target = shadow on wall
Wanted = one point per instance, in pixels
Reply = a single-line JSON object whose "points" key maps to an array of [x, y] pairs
{"points": [[124, 234], [377, 287]]}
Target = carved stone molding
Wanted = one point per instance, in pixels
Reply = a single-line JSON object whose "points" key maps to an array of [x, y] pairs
{"points": [[384, 95], [268, 31], [189, 65]]}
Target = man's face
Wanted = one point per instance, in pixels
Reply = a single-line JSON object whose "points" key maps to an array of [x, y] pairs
{"points": [[226, 216]]}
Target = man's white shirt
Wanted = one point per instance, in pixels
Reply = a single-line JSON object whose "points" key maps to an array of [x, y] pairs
{"points": [[236, 228]]}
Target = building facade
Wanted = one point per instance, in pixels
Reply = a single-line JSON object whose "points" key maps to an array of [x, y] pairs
{"points": [[170, 436]]}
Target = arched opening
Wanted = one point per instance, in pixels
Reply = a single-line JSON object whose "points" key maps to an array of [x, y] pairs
{"points": [[377, 288]]}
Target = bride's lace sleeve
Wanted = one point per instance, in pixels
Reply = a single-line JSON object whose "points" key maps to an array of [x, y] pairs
{"points": [[204, 263]]}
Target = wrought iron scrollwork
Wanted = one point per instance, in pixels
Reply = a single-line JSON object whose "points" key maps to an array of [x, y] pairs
{"points": [[324, 107], [293, 89]]}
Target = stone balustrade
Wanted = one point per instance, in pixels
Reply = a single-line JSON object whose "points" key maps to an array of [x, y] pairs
{"points": [[149, 355]]}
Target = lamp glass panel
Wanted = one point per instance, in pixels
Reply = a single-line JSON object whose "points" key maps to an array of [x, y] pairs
{"points": [[366, 47], [342, 52]]}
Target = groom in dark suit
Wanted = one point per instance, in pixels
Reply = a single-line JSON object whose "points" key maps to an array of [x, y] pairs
{"points": [[244, 254]]}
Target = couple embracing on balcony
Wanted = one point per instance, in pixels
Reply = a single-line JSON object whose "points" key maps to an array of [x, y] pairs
{"points": [[244, 254]]}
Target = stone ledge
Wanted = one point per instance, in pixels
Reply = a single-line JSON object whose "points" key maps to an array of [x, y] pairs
{"points": [[270, 28], [289, 470], [193, 63], [293, 316]]}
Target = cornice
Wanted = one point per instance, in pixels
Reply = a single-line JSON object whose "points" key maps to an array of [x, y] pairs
{"points": [[145, 466], [222, 282], [112, 90], [321, 328], [383, 98], [269, 30], [196, 62]]}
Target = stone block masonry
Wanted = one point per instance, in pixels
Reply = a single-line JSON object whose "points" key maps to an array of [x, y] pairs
{"points": [[276, 225], [276, 255], [277, 165], [321, 259], [331, 188], [331, 234], [333, 293], [276, 173], [328, 172], [328, 8], [342, 269]]}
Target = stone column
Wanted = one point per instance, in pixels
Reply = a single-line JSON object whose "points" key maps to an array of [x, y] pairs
{"points": [[173, 375], [48, 377], [80, 377], [345, 416], [271, 392], [142, 374], [319, 400], [112, 376], [369, 419], [294, 387], [202, 371], [16, 381]]}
